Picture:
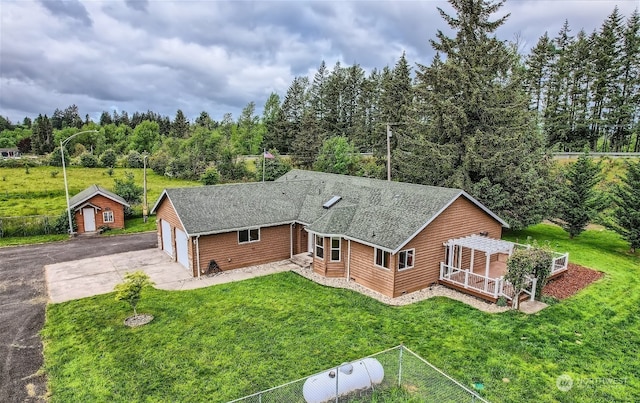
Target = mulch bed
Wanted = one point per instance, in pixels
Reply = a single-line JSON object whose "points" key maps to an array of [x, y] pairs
{"points": [[573, 280]]}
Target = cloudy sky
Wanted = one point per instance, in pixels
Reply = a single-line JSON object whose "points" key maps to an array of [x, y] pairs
{"points": [[217, 56]]}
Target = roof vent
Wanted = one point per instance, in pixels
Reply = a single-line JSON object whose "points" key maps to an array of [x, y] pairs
{"points": [[332, 201]]}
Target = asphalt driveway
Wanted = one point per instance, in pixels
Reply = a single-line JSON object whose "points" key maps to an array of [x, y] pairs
{"points": [[23, 298]]}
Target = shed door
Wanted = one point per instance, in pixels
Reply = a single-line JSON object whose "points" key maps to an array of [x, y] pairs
{"points": [[89, 219], [181, 248], [166, 237]]}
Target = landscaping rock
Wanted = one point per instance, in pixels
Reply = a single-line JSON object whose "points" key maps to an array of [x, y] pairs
{"points": [[138, 320]]}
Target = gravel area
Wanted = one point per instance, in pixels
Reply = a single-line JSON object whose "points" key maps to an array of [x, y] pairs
{"points": [[433, 291]]}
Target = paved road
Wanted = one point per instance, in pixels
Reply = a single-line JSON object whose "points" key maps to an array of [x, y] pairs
{"points": [[23, 299]]}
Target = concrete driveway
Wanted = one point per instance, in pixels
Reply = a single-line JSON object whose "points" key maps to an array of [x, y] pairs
{"points": [[99, 275], [23, 298]]}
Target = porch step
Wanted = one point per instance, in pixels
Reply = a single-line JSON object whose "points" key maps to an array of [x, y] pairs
{"points": [[303, 260]]}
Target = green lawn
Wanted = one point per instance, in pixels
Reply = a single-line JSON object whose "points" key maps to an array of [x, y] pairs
{"points": [[41, 191], [223, 342]]}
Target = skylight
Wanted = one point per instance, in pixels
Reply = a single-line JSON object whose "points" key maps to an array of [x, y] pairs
{"points": [[332, 201]]}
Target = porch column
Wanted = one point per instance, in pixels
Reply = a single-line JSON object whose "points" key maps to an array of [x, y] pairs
{"points": [[486, 270], [473, 252]]}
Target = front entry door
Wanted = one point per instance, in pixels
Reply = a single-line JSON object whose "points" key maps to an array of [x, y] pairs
{"points": [[89, 219]]}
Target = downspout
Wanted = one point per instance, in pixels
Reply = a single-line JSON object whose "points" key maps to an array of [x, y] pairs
{"points": [[198, 253], [348, 259], [291, 240]]}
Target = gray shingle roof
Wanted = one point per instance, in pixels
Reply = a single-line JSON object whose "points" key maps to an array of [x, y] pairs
{"points": [[92, 191], [377, 212]]}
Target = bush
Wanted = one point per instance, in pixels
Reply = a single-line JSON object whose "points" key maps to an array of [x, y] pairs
{"points": [[55, 160], [158, 162], [134, 160], [88, 160], [127, 188], [108, 159], [54, 173], [211, 176]]}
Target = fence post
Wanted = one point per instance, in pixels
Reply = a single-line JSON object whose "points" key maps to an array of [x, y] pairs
{"points": [[400, 366], [337, 375], [534, 283]]}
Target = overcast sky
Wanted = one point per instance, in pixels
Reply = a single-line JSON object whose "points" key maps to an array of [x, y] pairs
{"points": [[220, 55]]}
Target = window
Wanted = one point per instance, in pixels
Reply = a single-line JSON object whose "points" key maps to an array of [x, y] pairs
{"points": [[335, 249], [249, 235], [319, 247], [405, 259], [107, 216], [382, 258]]}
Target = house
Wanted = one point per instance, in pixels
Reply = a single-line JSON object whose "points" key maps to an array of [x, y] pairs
{"points": [[9, 153], [96, 207], [391, 237]]}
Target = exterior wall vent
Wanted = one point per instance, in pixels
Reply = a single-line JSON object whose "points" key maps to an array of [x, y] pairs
{"points": [[332, 201]]}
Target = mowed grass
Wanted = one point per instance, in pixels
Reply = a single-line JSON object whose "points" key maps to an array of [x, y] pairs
{"points": [[41, 191], [222, 342]]}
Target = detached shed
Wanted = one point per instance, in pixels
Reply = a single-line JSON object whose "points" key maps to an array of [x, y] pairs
{"points": [[97, 207]]}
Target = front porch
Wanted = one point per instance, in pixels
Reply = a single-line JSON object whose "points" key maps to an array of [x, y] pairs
{"points": [[477, 265]]}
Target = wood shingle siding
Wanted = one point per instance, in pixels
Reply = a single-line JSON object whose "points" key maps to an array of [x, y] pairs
{"points": [[229, 254], [460, 219]]}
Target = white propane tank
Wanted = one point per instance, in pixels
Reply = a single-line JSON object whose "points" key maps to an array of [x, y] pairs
{"points": [[362, 374]]}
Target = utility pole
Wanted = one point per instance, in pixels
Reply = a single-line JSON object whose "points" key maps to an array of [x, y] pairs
{"points": [[145, 208], [389, 152]]}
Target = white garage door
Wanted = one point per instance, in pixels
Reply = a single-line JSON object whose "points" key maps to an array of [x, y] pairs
{"points": [[166, 237], [181, 248]]}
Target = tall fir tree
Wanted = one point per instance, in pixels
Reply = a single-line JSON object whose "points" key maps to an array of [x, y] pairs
{"points": [[481, 123], [180, 125]]}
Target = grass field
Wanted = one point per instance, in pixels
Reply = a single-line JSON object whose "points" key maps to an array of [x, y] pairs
{"points": [[220, 343], [41, 191]]}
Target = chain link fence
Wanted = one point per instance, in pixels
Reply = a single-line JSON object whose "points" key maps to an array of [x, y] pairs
{"points": [[28, 226], [397, 375]]}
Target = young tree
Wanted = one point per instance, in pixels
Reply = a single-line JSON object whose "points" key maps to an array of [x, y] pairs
{"points": [[337, 156], [145, 137], [627, 210], [578, 201], [127, 188], [130, 290]]}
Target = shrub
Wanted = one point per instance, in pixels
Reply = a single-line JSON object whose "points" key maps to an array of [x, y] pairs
{"points": [[134, 160], [211, 176], [54, 173], [158, 162], [108, 159], [55, 160], [88, 160]]}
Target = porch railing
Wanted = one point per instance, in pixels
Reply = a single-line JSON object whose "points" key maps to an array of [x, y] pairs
{"points": [[494, 287], [559, 262]]}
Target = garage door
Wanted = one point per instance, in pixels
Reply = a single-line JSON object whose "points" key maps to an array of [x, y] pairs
{"points": [[166, 237], [181, 248]]}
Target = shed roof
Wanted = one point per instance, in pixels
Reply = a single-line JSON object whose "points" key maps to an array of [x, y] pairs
{"points": [[376, 212], [92, 191]]}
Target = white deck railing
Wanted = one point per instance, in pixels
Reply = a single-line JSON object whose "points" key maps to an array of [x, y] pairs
{"points": [[494, 287], [559, 263]]}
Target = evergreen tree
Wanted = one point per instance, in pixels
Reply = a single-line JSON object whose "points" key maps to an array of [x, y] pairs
{"points": [[626, 98], [538, 64], [180, 126], [578, 201], [477, 111], [289, 127], [556, 112], [627, 210], [606, 70], [42, 136], [270, 114]]}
